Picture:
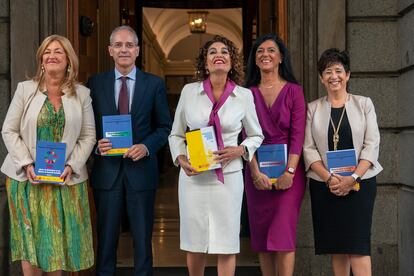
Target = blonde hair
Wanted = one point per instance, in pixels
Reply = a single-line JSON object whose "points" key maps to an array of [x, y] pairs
{"points": [[70, 80]]}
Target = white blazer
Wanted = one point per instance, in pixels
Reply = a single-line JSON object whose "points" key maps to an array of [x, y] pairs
{"points": [[20, 130], [365, 133], [193, 111]]}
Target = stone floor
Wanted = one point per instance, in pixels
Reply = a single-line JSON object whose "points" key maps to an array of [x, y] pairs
{"points": [[166, 250], [210, 271]]}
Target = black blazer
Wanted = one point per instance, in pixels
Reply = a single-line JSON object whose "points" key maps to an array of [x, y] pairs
{"points": [[151, 125]]}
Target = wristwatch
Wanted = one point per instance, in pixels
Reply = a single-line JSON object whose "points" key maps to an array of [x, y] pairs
{"points": [[357, 178], [290, 170]]}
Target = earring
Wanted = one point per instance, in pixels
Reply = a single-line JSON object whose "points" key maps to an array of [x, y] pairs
{"points": [[68, 70], [42, 68], [207, 72]]}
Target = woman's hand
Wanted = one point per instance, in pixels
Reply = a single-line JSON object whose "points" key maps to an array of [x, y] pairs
{"points": [[67, 173], [343, 186], [334, 180], [261, 181], [104, 145], [228, 154], [30, 173], [285, 181], [186, 166]]}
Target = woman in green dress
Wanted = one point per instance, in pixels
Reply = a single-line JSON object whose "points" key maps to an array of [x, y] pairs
{"points": [[50, 224]]}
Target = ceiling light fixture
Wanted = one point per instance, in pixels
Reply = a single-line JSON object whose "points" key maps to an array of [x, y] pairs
{"points": [[197, 21]]}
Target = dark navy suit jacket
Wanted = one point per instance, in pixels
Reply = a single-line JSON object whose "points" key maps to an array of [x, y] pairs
{"points": [[151, 125]]}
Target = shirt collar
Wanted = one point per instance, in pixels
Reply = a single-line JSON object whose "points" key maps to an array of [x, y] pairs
{"points": [[131, 75]]}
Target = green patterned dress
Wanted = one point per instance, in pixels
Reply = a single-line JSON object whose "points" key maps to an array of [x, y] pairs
{"points": [[50, 225]]}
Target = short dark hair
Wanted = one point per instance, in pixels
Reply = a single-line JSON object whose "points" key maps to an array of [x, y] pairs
{"points": [[333, 56], [236, 72], [253, 76]]}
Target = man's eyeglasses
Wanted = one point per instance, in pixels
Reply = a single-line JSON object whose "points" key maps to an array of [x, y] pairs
{"points": [[119, 45]]}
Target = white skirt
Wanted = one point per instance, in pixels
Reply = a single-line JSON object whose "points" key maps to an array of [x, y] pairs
{"points": [[210, 212]]}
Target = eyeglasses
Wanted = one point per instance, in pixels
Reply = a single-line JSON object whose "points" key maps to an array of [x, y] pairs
{"points": [[119, 45]]}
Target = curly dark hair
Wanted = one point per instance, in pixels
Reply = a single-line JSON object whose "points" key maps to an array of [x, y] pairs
{"points": [[333, 56], [236, 72], [253, 76]]}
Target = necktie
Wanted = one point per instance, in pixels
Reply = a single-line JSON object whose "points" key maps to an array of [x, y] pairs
{"points": [[123, 100]]}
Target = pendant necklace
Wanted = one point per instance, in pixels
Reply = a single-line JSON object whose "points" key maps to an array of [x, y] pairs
{"points": [[335, 136]]}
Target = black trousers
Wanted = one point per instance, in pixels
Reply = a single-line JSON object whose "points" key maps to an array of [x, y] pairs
{"points": [[140, 211]]}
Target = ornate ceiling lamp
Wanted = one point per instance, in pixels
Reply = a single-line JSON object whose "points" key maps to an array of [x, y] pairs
{"points": [[197, 21]]}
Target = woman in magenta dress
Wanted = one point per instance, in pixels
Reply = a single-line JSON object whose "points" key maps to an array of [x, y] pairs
{"points": [[280, 105]]}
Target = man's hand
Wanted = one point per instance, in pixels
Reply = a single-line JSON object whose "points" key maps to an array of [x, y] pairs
{"points": [[104, 145], [136, 152]]}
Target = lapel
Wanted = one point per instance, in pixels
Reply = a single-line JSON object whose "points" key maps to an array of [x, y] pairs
{"points": [[323, 120], [109, 93], [354, 119], [139, 92]]}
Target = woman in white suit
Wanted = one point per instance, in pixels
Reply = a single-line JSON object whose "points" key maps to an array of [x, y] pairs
{"points": [[210, 202], [342, 214], [50, 224]]}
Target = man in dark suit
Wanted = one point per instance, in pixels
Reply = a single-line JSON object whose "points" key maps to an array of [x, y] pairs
{"points": [[130, 179]]}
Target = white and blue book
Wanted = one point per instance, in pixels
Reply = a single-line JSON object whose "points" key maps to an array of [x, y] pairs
{"points": [[118, 129], [50, 162], [272, 160], [342, 162]]}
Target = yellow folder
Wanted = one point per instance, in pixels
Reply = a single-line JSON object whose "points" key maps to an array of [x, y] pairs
{"points": [[201, 143]]}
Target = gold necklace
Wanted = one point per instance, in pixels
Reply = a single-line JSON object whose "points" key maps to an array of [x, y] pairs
{"points": [[268, 87], [335, 136]]}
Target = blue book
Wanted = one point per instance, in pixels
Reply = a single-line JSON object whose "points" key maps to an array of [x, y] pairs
{"points": [[118, 129], [272, 160], [342, 162], [50, 162]]}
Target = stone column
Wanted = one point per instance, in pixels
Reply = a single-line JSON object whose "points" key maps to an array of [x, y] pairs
{"points": [[4, 101], [405, 100], [372, 42]]}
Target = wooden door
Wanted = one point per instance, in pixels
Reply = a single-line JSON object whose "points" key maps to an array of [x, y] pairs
{"points": [[88, 48], [82, 27]]}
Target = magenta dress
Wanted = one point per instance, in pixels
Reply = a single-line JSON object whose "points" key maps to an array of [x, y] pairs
{"points": [[273, 214]]}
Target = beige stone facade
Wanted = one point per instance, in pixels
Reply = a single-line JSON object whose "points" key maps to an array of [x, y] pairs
{"points": [[379, 36]]}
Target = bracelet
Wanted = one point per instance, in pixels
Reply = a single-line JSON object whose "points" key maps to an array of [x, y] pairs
{"points": [[328, 182], [244, 150]]}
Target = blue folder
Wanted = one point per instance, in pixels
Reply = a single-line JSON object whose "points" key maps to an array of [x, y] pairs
{"points": [[272, 160], [342, 162], [118, 129]]}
